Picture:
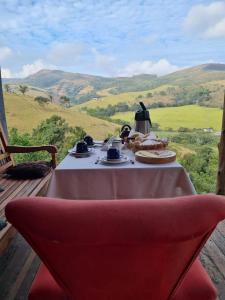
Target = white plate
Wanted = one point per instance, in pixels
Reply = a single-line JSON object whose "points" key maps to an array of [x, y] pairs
{"points": [[95, 145], [115, 159], [121, 160], [99, 143]]}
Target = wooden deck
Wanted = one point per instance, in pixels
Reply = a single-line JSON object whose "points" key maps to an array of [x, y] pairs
{"points": [[19, 264]]}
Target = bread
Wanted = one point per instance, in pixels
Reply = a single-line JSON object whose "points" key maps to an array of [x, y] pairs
{"points": [[147, 145]]}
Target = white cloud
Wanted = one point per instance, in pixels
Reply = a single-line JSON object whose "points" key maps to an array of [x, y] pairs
{"points": [[27, 69], [206, 21], [161, 67], [6, 73], [106, 63], [65, 53], [36, 66], [5, 52]]}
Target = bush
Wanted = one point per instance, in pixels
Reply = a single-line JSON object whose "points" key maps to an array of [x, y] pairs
{"points": [[42, 100], [53, 131], [202, 168]]}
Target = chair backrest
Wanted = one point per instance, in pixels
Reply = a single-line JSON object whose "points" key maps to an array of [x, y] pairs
{"points": [[6, 159], [117, 249]]}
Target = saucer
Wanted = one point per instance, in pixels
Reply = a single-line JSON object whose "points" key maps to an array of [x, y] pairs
{"points": [[79, 155], [98, 143], [123, 159], [114, 159]]}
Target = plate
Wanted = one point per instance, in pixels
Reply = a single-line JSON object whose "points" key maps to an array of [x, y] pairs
{"points": [[114, 159], [79, 155], [98, 143], [155, 156], [121, 160]]}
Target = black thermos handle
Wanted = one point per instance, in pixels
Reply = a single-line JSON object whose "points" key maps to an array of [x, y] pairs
{"points": [[142, 105]]}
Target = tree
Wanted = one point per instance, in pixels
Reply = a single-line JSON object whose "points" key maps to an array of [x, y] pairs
{"points": [[202, 167], [54, 131], [149, 95], [65, 101], [23, 89], [41, 100], [7, 88], [162, 93], [183, 129], [51, 131], [51, 98]]}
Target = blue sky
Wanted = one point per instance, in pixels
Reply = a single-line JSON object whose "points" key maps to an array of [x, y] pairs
{"points": [[110, 37]]}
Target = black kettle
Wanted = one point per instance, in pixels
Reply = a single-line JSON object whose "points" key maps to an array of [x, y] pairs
{"points": [[125, 131]]}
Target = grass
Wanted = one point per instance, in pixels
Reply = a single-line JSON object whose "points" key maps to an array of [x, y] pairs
{"points": [[24, 113], [189, 116], [129, 98]]}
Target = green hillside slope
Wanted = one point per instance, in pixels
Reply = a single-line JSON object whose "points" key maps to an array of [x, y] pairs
{"points": [[101, 91], [196, 75], [189, 116], [24, 113], [130, 98], [82, 87]]}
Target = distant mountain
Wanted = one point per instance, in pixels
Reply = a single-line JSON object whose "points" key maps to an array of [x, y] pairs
{"points": [[82, 87], [196, 75]]}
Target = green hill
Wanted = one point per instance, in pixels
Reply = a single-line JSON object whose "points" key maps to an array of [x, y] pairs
{"points": [[196, 75], [82, 87], [189, 116], [204, 84], [24, 113]]}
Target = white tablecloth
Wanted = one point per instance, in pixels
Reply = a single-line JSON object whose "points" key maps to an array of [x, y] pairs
{"points": [[81, 178]]}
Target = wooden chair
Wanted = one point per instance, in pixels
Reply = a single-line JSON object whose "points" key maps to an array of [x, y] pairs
{"points": [[137, 249], [17, 188]]}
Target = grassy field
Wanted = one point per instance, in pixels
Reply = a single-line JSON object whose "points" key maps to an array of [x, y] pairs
{"points": [[189, 116], [24, 113], [129, 98]]}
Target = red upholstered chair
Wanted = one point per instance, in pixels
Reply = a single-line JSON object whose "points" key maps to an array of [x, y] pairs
{"points": [[119, 249]]}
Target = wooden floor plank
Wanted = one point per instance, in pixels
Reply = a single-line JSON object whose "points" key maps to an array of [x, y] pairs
{"points": [[211, 250], [15, 189], [23, 291], [11, 264], [214, 273], [23, 273]]}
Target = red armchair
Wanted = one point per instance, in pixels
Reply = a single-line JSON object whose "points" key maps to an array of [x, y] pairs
{"points": [[119, 249]]}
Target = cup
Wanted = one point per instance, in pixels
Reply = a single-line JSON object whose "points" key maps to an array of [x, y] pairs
{"points": [[89, 140], [117, 143], [113, 153], [81, 147]]}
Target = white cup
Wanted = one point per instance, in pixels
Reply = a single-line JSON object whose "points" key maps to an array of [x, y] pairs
{"points": [[117, 143]]}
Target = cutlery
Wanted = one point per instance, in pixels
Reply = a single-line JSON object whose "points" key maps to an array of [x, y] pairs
{"points": [[97, 160]]}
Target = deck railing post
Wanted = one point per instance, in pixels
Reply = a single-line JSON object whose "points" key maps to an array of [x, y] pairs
{"points": [[220, 189], [2, 109]]}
